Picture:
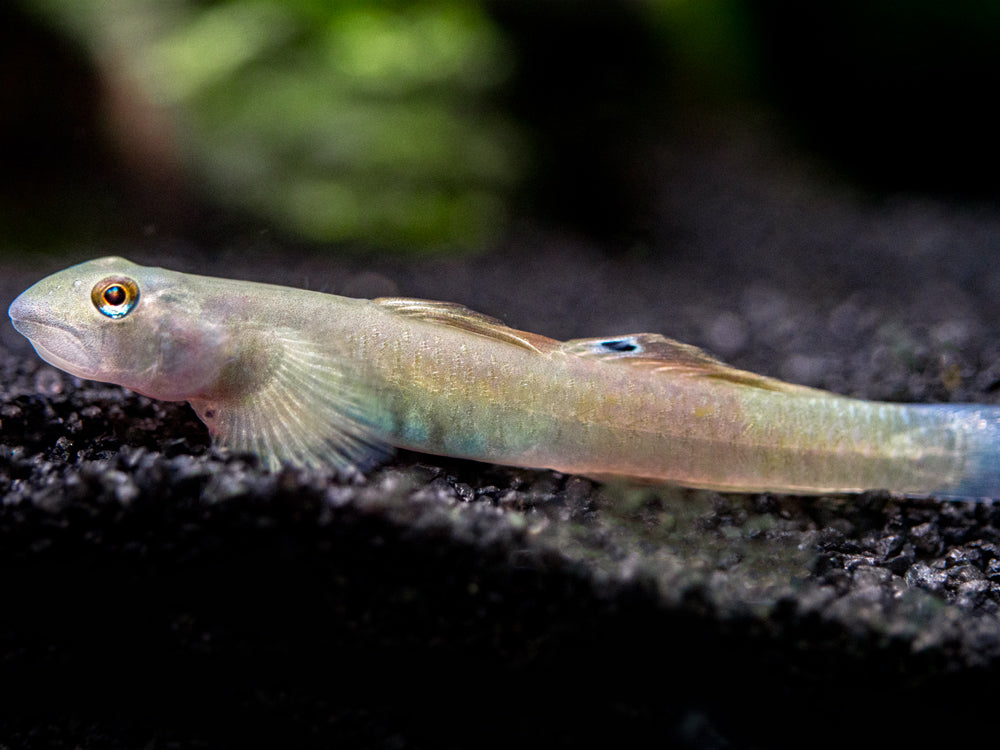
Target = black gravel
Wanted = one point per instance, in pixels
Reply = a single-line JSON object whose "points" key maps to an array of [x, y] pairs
{"points": [[160, 594]]}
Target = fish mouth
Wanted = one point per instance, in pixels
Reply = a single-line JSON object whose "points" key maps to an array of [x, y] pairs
{"points": [[55, 341]]}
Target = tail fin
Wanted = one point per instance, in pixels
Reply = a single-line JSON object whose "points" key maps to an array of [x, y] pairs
{"points": [[977, 429]]}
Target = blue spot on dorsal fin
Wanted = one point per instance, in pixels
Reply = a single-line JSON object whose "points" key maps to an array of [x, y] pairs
{"points": [[669, 357], [621, 345]]}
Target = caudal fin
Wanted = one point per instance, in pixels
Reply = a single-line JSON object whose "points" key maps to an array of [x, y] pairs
{"points": [[978, 431]]}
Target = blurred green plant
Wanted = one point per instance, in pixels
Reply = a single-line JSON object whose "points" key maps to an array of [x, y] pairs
{"points": [[712, 44], [350, 120]]}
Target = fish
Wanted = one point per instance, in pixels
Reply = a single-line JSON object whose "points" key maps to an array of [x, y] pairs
{"points": [[319, 380]]}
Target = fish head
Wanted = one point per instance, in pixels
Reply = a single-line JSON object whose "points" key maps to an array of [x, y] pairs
{"points": [[118, 322]]}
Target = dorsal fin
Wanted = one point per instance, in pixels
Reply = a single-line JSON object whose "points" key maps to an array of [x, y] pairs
{"points": [[658, 353], [458, 316]]}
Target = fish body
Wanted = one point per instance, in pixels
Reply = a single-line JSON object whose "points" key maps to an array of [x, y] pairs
{"points": [[319, 379]]}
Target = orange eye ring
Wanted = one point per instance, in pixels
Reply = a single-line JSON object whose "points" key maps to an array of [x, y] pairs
{"points": [[115, 296]]}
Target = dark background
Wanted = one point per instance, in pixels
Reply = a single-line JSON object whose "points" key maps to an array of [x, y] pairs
{"points": [[805, 190]]}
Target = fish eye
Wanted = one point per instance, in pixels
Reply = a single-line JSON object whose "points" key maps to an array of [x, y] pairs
{"points": [[115, 296]]}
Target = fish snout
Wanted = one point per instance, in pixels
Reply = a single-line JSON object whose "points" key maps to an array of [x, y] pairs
{"points": [[57, 341], [28, 313], [19, 311]]}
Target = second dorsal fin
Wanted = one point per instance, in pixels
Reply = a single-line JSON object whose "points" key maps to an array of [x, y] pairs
{"points": [[458, 316], [656, 352]]}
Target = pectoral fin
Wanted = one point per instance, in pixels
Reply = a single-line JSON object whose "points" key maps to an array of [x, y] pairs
{"points": [[309, 410]]}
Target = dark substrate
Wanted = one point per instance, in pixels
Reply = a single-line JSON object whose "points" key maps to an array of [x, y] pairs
{"points": [[159, 594]]}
